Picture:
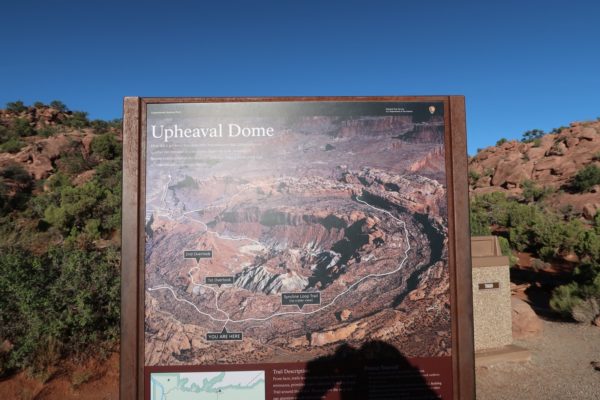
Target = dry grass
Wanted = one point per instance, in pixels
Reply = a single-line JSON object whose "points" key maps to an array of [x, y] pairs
{"points": [[78, 378]]}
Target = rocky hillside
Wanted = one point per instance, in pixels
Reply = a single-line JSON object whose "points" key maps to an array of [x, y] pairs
{"points": [[541, 196], [60, 202], [549, 162], [38, 136]]}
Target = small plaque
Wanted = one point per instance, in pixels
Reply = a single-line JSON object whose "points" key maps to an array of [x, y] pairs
{"points": [[197, 254], [219, 280], [223, 335], [300, 299], [489, 285]]}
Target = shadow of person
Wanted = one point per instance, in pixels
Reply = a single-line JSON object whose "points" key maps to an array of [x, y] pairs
{"points": [[375, 371]]}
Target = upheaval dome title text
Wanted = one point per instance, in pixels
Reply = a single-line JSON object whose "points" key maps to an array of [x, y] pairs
{"points": [[167, 133]]}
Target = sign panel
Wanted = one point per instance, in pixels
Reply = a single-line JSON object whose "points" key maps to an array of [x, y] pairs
{"points": [[298, 248]]}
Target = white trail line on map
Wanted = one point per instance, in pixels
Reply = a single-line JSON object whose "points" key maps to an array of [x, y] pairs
{"points": [[286, 313]]}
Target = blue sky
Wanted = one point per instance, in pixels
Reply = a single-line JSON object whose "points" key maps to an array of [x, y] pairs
{"points": [[520, 64]]}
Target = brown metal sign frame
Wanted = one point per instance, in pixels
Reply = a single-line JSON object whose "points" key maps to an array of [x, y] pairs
{"points": [[132, 274]]}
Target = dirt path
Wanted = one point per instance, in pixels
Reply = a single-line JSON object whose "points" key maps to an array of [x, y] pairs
{"points": [[559, 369]]}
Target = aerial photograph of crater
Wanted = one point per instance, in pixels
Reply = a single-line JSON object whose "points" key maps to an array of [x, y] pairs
{"points": [[274, 232]]}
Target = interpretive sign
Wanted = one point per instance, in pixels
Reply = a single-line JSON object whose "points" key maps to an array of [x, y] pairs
{"points": [[296, 248]]}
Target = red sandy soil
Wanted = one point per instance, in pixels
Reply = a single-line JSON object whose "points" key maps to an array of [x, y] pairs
{"points": [[101, 383]]}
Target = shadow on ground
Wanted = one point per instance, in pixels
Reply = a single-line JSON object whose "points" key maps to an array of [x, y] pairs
{"points": [[542, 283]]}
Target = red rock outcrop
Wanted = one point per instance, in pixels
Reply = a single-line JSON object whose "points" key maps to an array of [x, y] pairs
{"points": [[37, 117], [39, 156], [525, 322], [551, 161]]}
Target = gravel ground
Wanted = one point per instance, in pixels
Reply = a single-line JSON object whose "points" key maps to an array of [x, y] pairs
{"points": [[559, 368]]}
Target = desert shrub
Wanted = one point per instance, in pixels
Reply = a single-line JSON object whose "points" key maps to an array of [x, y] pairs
{"points": [[531, 228], [588, 246], [538, 264], [116, 124], [47, 131], [16, 173], [507, 251], [567, 210], [586, 178], [564, 298], [547, 253], [558, 130], [16, 107], [39, 104], [106, 146], [532, 134], [501, 141], [74, 163], [537, 142], [4, 198], [22, 127], [573, 234], [77, 120], [59, 105], [109, 173], [57, 181], [579, 299], [479, 223], [12, 145], [21, 185], [70, 209], [586, 310], [533, 192], [473, 176], [76, 206], [92, 229], [547, 235], [494, 205], [5, 134], [57, 304], [100, 126]]}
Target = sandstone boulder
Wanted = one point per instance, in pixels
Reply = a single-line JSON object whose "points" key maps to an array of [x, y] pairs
{"points": [[589, 210], [572, 141], [511, 173], [525, 322], [588, 133], [558, 149], [535, 153]]}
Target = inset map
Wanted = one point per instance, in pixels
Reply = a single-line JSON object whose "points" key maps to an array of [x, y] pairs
{"points": [[230, 385]]}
